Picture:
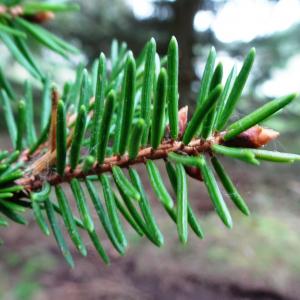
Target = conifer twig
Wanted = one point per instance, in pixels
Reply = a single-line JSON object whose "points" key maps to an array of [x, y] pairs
{"points": [[34, 182]]}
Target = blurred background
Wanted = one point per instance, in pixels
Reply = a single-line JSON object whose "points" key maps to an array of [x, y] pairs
{"points": [[258, 258]]}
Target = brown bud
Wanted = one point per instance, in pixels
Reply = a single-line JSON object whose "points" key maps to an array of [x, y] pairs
{"points": [[194, 173], [40, 17], [182, 121], [254, 137]]}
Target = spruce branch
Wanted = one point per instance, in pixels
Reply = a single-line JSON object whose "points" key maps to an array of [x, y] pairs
{"points": [[39, 169], [123, 114]]}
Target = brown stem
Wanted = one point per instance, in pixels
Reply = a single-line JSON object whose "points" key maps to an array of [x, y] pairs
{"points": [[254, 137], [35, 182]]}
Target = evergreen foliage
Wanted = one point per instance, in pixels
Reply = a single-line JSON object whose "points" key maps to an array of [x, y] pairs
{"points": [[123, 113]]}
